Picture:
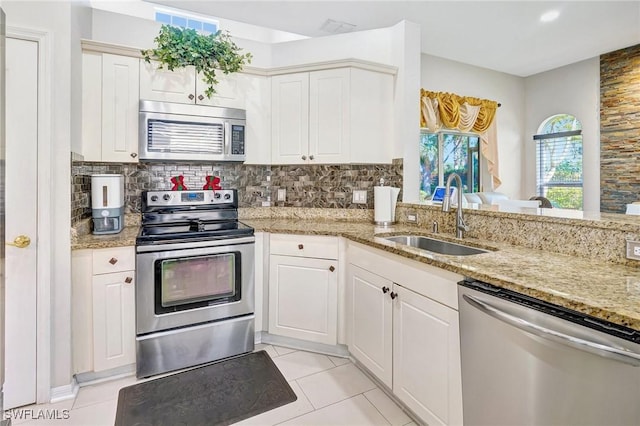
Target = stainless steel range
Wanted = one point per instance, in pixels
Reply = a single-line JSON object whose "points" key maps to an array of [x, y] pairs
{"points": [[195, 280]]}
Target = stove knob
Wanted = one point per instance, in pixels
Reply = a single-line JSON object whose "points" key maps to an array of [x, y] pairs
{"points": [[154, 198], [166, 197], [227, 196], [216, 195]]}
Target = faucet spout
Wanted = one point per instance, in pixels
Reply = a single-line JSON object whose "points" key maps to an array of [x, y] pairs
{"points": [[461, 227]]}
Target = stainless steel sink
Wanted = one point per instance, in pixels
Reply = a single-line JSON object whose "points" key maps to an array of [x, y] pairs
{"points": [[437, 246]]}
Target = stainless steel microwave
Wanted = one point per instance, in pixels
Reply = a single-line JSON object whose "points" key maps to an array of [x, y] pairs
{"points": [[184, 132]]}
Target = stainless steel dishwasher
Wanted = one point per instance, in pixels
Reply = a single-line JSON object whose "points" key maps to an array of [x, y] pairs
{"points": [[528, 362]]}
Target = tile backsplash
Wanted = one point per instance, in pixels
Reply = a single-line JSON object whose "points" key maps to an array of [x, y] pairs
{"points": [[318, 186]]}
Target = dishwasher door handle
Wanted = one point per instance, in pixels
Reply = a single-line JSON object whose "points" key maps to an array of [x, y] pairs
{"points": [[556, 336]]}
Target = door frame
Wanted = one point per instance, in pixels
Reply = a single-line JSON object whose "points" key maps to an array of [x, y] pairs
{"points": [[44, 221]]}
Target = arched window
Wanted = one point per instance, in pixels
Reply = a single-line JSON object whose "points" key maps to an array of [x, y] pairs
{"points": [[559, 161]]}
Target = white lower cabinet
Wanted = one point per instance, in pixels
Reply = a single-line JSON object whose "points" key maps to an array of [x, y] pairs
{"points": [[103, 309], [408, 340], [303, 291]]}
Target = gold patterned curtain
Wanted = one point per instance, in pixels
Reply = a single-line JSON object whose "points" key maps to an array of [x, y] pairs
{"points": [[447, 110]]}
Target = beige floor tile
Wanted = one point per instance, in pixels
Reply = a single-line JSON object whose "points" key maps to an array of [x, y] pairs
{"points": [[356, 411], [281, 414], [100, 414], [267, 348], [387, 407], [338, 361], [101, 392], [331, 386], [23, 415], [299, 364], [283, 351]]}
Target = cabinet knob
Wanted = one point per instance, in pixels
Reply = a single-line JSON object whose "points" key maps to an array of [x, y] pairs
{"points": [[331, 268], [191, 97], [304, 157], [113, 261], [300, 246], [134, 155], [385, 290], [311, 157], [393, 295], [200, 97], [128, 280]]}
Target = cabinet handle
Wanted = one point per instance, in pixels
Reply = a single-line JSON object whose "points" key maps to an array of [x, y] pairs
{"points": [[311, 157], [304, 157], [393, 295], [331, 268], [134, 155], [191, 96], [300, 246], [128, 280], [200, 97], [385, 290], [113, 261]]}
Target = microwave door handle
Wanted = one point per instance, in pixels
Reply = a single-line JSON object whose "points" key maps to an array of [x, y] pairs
{"points": [[227, 138]]}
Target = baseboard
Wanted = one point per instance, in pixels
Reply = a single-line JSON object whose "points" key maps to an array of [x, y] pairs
{"points": [[289, 342], [62, 393], [92, 377]]}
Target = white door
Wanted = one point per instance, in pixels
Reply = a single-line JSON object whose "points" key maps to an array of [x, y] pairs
{"points": [[21, 209], [290, 118]]}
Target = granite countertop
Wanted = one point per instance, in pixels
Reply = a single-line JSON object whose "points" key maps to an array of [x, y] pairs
{"points": [[604, 290]]}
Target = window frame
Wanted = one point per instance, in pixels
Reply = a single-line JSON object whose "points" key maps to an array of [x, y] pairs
{"points": [[440, 163]]}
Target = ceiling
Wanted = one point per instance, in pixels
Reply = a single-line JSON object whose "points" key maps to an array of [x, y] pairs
{"points": [[504, 36]]}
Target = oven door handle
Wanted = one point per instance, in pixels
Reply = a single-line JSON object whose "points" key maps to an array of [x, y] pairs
{"points": [[194, 244]]}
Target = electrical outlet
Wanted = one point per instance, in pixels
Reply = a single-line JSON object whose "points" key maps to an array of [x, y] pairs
{"points": [[282, 194], [412, 217], [359, 196], [633, 250]]}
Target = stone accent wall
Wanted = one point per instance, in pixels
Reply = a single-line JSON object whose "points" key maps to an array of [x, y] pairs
{"points": [[317, 186], [619, 129]]}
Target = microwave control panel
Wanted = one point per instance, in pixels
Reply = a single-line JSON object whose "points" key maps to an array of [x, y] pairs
{"points": [[237, 139]]}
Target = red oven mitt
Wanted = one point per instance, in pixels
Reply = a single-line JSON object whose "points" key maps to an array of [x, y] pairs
{"points": [[178, 183], [213, 182]]}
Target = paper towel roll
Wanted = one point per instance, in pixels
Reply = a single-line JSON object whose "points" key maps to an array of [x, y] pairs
{"points": [[384, 204]]}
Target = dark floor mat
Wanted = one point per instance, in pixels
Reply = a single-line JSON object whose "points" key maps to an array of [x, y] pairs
{"points": [[216, 394]]}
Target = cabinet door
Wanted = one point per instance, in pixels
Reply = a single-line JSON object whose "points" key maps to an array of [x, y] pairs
{"points": [[371, 105], [157, 84], [120, 106], [370, 321], [114, 335], [426, 358], [92, 106], [303, 298], [290, 118], [229, 91], [329, 120], [258, 106]]}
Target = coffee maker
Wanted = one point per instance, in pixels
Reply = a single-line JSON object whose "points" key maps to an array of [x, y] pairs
{"points": [[107, 203]]}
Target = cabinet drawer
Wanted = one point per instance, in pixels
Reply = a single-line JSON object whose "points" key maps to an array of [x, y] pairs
{"points": [[114, 260], [304, 246]]}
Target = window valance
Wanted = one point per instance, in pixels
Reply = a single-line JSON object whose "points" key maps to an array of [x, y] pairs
{"points": [[466, 114]]}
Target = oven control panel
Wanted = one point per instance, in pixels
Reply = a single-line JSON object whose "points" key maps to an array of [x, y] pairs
{"points": [[190, 198]]}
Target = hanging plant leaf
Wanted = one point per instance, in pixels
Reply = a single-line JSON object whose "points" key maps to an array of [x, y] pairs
{"points": [[182, 47]]}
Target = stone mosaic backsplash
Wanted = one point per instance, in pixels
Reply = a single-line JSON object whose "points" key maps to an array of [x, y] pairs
{"points": [[307, 186], [619, 136]]}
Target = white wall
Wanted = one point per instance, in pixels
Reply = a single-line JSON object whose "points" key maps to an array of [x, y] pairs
{"points": [[443, 75], [573, 89]]}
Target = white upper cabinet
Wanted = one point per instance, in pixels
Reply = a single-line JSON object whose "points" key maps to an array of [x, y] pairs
{"points": [[341, 115], [110, 101], [184, 85]]}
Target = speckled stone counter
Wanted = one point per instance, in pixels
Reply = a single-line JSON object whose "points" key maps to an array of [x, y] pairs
{"points": [[602, 289], [127, 237]]}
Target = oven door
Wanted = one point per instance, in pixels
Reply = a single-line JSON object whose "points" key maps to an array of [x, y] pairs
{"points": [[190, 283]]}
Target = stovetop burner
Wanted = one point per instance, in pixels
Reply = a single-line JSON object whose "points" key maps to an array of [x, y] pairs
{"points": [[170, 216]]}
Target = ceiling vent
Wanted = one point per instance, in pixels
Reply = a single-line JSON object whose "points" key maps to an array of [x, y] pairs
{"points": [[337, 27]]}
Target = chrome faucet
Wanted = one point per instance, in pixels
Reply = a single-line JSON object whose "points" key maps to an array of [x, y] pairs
{"points": [[461, 227]]}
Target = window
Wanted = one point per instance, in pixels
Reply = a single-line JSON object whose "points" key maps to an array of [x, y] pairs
{"points": [[444, 153], [184, 20], [559, 161]]}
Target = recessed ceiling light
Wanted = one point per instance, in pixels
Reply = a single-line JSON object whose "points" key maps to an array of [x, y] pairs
{"points": [[549, 16]]}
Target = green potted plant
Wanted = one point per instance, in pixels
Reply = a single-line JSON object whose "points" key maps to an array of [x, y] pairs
{"points": [[181, 47]]}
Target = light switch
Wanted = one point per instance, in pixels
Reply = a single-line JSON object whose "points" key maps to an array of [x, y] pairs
{"points": [[359, 196], [282, 194]]}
